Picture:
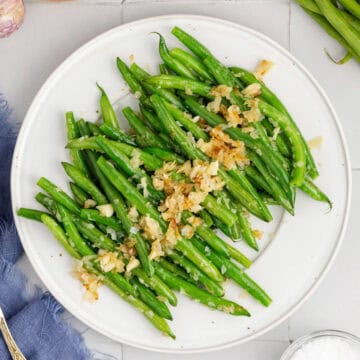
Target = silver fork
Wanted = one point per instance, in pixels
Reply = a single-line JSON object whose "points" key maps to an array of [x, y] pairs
{"points": [[15, 352]]}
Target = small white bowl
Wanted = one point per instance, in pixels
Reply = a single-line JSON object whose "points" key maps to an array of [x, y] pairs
{"points": [[296, 345]]}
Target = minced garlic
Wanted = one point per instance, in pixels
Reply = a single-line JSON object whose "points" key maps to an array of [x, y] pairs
{"points": [[106, 210], [132, 264], [253, 114], [133, 214], [232, 116], [263, 68], [156, 250], [135, 160], [230, 153], [151, 228], [252, 90], [110, 261], [89, 203], [90, 281]]}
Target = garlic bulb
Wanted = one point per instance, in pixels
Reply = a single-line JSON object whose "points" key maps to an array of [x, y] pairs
{"points": [[12, 13]]}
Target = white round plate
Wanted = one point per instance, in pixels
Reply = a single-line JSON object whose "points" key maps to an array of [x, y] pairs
{"points": [[301, 247]]}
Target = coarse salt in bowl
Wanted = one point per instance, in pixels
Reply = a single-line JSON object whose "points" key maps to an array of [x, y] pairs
{"points": [[324, 345]]}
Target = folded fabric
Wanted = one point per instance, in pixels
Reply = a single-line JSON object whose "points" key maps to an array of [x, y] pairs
{"points": [[33, 318]]}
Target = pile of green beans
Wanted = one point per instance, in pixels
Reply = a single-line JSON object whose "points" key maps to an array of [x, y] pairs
{"points": [[341, 20], [105, 175]]}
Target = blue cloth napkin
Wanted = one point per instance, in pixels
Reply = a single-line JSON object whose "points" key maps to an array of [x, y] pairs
{"points": [[33, 317]]}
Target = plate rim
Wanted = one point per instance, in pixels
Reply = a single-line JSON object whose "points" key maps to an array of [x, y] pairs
{"points": [[274, 44]]}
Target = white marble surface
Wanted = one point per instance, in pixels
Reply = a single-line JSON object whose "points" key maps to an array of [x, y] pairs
{"points": [[52, 31]]}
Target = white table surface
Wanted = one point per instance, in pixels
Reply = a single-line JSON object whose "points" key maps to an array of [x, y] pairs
{"points": [[52, 31]]}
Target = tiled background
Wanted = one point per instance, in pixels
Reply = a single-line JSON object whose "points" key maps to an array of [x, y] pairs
{"points": [[52, 31]]}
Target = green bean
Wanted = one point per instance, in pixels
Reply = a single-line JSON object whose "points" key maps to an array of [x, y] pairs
{"points": [[79, 194], [73, 133], [239, 193], [155, 319], [276, 191], [246, 230], [116, 134], [175, 269], [191, 151], [322, 21], [154, 122], [129, 191], [134, 85], [164, 155], [273, 100], [211, 286], [310, 7], [59, 234], [180, 83], [191, 43], [157, 284], [48, 203], [291, 132], [97, 237], [93, 128], [91, 143], [220, 72], [84, 183], [246, 184], [187, 122], [84, 143], [233, 272], [268, 199], [114, 281], [239, 256], [281, 176], [125, 164], [149, 298], [141, 75], [31, 214], [281, 142], [175, 65], [257, 179], [204, 297], [192, 62], [235, 133], [145, 208], [206, 217], [75, 240], [59, 195], [309, 188], [150, 162], [95, 216], [299, 165], [187, 248], [174, 131], [72, 233], [233, 232], [149, 137], [352, 6], [216, 209], [164, 69], [107, 111], [121, 213], [151, 119], [210, 238]]}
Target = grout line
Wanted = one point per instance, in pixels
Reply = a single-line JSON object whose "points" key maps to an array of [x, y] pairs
{"points": [[78, 2], [289, 331], [289, 33], [355, 169], [123, 2], [207, 2]]}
